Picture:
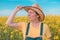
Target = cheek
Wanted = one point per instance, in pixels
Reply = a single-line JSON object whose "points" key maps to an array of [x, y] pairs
{"points": [[32, 16]]}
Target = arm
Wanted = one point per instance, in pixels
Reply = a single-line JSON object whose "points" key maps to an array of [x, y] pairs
{"points": [[10, 22], [48, 39], [48, 34]]}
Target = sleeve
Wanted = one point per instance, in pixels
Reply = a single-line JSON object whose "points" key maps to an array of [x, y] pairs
{"points": [[48, 34]]}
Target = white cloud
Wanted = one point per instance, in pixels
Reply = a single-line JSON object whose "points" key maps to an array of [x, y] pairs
{"points": [[5, 12], [22, 13], [53, 11]]}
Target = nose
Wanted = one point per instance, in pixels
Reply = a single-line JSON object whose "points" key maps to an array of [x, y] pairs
{"points": [[28, 14]]}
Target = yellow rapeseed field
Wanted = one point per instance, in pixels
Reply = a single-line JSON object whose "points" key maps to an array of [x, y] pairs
{"points": [[8, 33]]}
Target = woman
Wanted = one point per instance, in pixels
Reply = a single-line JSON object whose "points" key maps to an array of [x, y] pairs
{"points": [[33, 30]]}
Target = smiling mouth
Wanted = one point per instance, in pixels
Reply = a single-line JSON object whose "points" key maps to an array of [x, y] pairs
{"points": [[29, 17]]}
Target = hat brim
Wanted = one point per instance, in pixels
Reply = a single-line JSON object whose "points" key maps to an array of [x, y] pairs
{"points": [[39, 11]]}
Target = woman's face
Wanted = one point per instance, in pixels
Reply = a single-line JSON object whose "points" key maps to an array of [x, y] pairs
{"points": [[32, 15]]}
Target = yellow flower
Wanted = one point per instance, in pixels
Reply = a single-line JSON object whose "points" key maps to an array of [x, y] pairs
{"points": [[20, 33], [12, 32], [11, 36], [15, 30], [5, 31], [56, 37], [59, 30]]}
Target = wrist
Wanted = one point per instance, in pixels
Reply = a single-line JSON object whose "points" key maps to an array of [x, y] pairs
{"points": [[15, 11]]}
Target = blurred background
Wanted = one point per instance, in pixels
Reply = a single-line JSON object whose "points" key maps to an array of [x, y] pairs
{"points": [[51, 9]]}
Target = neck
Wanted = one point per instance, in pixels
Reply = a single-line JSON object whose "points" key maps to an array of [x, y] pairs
{"points": [[35, 21]]}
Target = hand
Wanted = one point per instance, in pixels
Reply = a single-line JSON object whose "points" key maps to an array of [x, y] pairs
{"points": [[18, 8]]}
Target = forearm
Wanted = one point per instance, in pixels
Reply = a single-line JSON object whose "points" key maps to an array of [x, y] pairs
{"points": [[11, 17], [48, 39]]}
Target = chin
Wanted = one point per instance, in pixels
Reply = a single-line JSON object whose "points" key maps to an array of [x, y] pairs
{"points": [[31, 20]]}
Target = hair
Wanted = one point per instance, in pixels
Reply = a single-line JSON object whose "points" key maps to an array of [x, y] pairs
{"points": [[38, 16]]}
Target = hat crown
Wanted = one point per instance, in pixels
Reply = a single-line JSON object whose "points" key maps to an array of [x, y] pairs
{"points": [[37, 8], [35, 5]]}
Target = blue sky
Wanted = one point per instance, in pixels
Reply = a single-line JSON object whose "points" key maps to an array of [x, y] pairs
{"points": [[51, 7]]}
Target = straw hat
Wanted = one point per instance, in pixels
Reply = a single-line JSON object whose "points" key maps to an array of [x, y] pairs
{"points": [[37, 9]]}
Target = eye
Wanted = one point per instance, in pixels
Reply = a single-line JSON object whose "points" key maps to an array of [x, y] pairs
{"points": [[30, 12]]}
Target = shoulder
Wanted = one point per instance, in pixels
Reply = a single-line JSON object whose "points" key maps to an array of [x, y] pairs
{"points": [[22, 23], [45, 26], [47, 31]]}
